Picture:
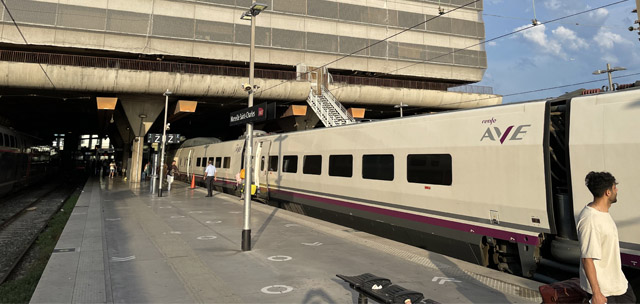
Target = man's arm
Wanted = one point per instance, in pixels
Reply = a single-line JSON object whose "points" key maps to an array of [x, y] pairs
{"points": [[590, 271]]}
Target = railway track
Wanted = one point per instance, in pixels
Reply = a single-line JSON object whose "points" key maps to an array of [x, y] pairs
{"points": [[23, 217]]}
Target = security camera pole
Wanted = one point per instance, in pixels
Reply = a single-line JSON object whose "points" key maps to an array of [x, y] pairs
{"points": [[164, 137], [251, 14]]}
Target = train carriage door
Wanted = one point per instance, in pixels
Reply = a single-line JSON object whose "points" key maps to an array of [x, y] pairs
{"points": [[189, 162], [261, 174]]}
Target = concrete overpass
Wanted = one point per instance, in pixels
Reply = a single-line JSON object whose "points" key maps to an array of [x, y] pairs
{"points": [[76, 51]]}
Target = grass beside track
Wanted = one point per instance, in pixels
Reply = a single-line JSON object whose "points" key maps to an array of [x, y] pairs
{"points": [[20, 288]]}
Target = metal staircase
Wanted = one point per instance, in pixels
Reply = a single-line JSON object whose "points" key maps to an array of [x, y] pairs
{"points": [[324, 104], [329, 109]]}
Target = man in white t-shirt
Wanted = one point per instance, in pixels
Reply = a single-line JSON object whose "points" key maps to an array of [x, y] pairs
{"points": [[600, 264], [210, 175]]}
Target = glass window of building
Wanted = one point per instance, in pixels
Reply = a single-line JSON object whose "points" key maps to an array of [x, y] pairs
{"points": [[127, 22], [173, 26]]}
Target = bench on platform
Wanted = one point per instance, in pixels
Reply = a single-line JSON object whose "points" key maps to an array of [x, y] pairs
{"points": [[381, 290]]}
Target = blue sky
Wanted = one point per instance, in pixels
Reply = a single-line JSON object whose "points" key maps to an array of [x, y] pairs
{"points": [[558, 53]]}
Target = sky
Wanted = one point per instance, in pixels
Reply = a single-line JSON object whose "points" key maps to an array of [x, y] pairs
{"points": [[557, 53]]}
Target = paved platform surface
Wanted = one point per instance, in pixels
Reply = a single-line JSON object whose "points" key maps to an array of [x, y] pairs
{"points": [[125, 245]]}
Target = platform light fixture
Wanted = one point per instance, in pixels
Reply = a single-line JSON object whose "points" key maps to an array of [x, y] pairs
{"points": [[609, 70], [400, 106], [255, 9]]}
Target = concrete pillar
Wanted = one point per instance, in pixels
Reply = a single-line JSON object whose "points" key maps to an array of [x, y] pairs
{"points": [[141, 111], [127, 136]]}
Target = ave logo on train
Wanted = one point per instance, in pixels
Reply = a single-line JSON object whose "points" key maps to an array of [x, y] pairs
{"points": [[494, 133]]}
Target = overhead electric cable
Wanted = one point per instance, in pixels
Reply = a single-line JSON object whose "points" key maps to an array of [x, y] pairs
{"points": [[26, 42], [368, 46], [543, 89], [492, 39]]}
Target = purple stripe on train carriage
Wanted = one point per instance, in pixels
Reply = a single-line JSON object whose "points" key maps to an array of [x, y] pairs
{"points": [[506, 133], [500, 234], [630, 260]]}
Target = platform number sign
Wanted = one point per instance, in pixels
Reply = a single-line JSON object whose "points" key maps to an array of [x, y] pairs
{"points": [[157, 138]]}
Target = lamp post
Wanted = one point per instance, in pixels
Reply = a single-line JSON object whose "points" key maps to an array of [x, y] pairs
{"points": [[401, 105], [254, 10], [140, 138], [164, 137], [609, 70]]}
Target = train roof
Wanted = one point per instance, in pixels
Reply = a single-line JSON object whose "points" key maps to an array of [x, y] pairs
{"points": [[199, 141]]}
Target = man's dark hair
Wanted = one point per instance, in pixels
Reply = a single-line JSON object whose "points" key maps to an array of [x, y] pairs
{"points": [[599, 182]]}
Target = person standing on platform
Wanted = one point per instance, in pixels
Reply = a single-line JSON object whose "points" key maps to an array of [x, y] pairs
{"points": [[112, 169], [170, 174], [144, 171], [600, 264], [210, 174]]}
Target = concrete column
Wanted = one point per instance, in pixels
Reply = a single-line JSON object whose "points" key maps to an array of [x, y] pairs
{"points": [[141, 112], [127, 136]]}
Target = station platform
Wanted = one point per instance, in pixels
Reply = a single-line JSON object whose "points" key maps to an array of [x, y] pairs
{"points": [[127, 245]]}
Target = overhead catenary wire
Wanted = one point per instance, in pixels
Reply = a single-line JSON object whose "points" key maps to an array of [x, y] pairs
{"points": [[538, 90], [370, 45], [26, 42], [457, 50], [489, 40]]}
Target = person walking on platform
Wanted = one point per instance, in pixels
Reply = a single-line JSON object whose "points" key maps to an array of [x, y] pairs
{"points": [[170, 174], [600, 264], [112, 169], [210, 174]]}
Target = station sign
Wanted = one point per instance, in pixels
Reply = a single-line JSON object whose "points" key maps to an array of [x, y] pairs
{"points": [[153, 138], [257, 113]]}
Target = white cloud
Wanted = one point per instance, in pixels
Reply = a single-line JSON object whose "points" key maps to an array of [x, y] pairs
{"points": [[553, 4], [610, 58], [599, 14], [607, 40], [538, 37], [569, 38], [492, 43]]}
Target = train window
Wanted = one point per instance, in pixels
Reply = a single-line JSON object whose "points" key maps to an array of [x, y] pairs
{"points": [[273, 163], [377, 166], [218, 162], [312, 164], [429, 169], [13, 141], [6, 140], [1, 139], [341, 165], [198, 162], [206, 163], [290, 163], [262, 164], [227, 162]]}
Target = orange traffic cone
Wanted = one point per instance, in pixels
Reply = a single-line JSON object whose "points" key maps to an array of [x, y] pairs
{"points": [[193, 181]]}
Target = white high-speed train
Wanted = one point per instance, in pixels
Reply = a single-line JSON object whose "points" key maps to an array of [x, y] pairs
{"points": [[499, 186]]}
